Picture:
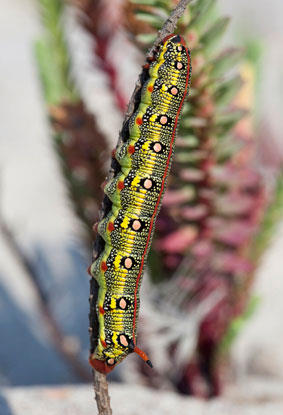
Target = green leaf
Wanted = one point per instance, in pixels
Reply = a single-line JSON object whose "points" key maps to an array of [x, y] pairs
{"points": [[199, 5], [225, 61], [154, 3], [226, 121], [190, 156], [201, 13], [238, 324], [254, 54], [211, 37], [55, 89], [226, 148], [194, 92], [227, 90], [189, 141], [254, 50], [52, 55], [146, 38], [190, 122], [186, 109], [272, 217], [152, 19]]}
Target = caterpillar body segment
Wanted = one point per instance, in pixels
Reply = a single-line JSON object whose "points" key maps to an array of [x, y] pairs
{"points": [[141, 165]]}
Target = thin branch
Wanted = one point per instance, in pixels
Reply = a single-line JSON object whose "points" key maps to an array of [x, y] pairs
{"points": [[100, 382], [101, 394], [167, 29], [170, 24]]}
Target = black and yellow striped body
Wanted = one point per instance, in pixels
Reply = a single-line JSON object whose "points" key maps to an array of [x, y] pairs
{"points": [[133, 196]]}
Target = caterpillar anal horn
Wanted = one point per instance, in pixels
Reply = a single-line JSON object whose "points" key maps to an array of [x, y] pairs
{"points": [[143, 355]]}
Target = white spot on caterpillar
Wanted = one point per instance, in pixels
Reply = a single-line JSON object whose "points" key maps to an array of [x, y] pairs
{"points": [[123, 303], [157, 147], [147, 184], [163, 119], [123, 340], [128, 263], [174, 91], [136, 225]]}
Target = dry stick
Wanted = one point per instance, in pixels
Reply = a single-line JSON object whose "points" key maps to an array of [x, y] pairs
{"points": [[100, 382], [101, 394], [170, 24], [58, 338], [167, 29]]}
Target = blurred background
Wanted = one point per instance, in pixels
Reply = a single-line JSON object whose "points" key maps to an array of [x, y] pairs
{"points": [[212, 293]]}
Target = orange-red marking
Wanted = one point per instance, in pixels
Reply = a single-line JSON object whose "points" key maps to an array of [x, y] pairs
{"points": [[111, 226], [104, 266], [139, 121], [121, 185], [131, 149], [103, 343], [168, 37], [150, 88], [101, 310]]}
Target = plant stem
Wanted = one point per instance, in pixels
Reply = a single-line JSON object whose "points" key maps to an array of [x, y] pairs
{"points": [[170, 24], [101, 394], [167, 28]]}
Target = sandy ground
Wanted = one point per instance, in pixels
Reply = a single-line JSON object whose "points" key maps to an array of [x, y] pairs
{"points": [[138, 400], [29, 183]]}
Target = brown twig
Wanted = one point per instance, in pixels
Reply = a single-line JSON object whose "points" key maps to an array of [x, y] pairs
{"points": [[101, 394], [167, 29], [100, 382], [170, 24]]}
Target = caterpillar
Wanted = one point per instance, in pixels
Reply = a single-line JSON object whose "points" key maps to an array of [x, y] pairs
{"points": [[139, 170]]}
